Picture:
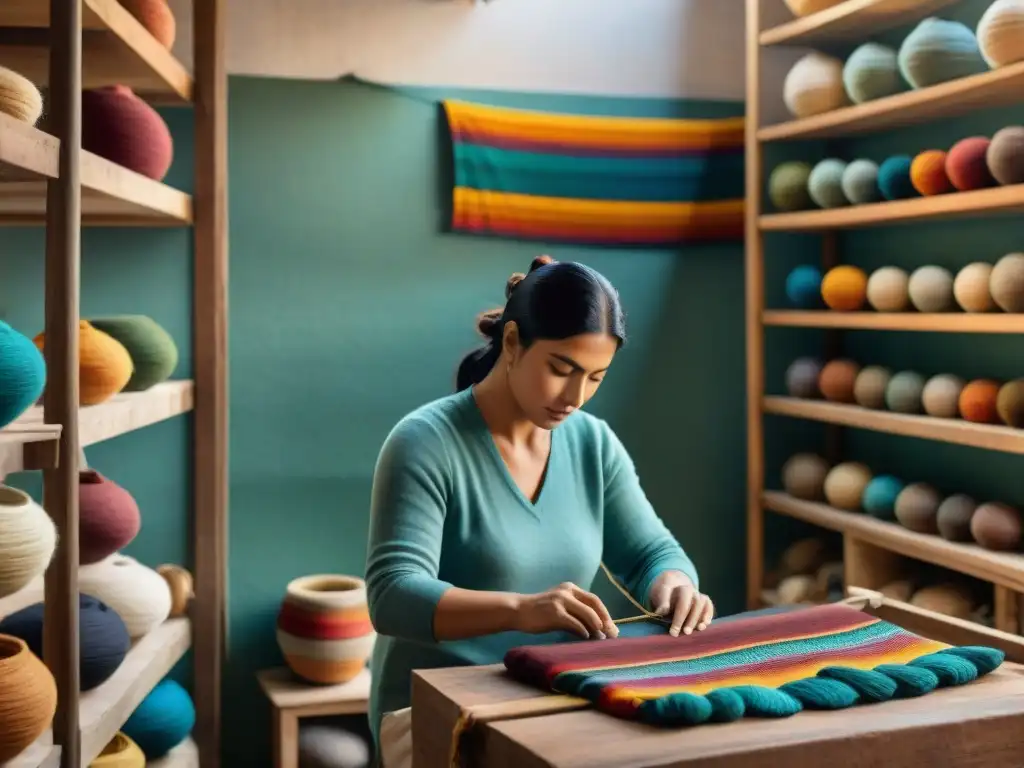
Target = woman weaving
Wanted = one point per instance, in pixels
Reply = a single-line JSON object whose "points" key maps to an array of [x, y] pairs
{"points": [[493, 508]]}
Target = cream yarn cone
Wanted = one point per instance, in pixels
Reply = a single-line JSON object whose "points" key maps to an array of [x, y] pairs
{"points": [[19, 97], [28, 538], [135, 592]]}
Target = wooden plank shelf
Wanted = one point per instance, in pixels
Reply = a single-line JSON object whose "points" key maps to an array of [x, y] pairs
{"points": [[1002, 568], [26, 154], [942, 322], [26, 447], [854, 20], [42, 754], [983, 202], [997, 88], [989, 436], [116, 49]]}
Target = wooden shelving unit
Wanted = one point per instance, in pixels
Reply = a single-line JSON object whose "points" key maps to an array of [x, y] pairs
{"points": [[872, 548], [48, 180]]}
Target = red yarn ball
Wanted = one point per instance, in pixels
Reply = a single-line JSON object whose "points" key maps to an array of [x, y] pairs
{"points": [[124, 129], [108, 517], [967, 166]]}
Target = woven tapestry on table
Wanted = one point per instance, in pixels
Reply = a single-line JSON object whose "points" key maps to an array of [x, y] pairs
{"points": [[588, 180], [826, 657]]}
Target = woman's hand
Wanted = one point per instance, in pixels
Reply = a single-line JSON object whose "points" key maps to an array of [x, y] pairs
{"points": [[673, 594], [565, 608]]}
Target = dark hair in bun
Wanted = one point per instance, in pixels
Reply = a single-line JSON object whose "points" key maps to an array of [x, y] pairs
{"points": [[554, 300]]}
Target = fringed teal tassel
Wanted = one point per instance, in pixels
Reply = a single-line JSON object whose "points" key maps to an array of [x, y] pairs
{"points": [[949, 668], [821, 693], [676, 709], [870, 686], [726, 705], [760, 701], [983, 658], [910, 681]]}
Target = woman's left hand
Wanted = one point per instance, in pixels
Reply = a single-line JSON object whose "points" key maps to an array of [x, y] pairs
{"points": [[673, 595]]}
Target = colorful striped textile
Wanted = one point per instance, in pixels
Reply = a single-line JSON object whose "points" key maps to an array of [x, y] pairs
{"points": [[609, 181], [825, 657]]}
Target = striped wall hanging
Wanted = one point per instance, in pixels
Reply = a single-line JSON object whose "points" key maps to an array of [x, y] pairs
{"points": [[590, 180]]}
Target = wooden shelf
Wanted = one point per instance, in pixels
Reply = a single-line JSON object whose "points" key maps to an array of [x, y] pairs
{"points": [[854, 20], [42, 754], [945, 322], [126, 412], [989, 436], [287, 692], [1006, 569], [983, 202], [185, 755], [26, 447], [996, 88], [116, 49], [26, 154]]}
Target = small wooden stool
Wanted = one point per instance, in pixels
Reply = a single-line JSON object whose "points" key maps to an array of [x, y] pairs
{"points": [[290, 699]]}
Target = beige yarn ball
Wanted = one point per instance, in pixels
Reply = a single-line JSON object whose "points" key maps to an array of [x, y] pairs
{"points": [[931, 289], [941, 396], [1006, 283], [807, 7], [870, 385], [136, 593], [970, 288], [1000, 33], [19, 97], [845, 484], [887, 289], [28, 539], [815, 85]]}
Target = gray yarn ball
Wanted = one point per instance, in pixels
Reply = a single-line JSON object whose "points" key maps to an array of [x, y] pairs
{"points": [[802, 378], [903, 395], [825, 184], [872, 72], [324, 746], [860, 182]]}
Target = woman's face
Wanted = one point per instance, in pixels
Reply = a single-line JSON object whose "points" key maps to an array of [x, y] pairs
{"points": [[551, 379]]}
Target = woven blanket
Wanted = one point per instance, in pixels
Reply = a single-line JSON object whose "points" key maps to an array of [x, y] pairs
{"points": [[825, 657], [595, 180]]}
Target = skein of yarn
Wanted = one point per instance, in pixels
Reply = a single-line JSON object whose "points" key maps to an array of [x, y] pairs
{"points": [[108, 517], [138, 594], [120, 752], [124, 129], [22, 374], [28, 697], [28, 539], [19, 97], [163, 720], [104, 365], [179, 581]]}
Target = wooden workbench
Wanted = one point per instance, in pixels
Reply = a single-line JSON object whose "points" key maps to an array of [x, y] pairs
{"points": [[973, 726]]}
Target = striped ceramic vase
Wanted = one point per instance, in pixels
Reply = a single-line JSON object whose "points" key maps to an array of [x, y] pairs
{"points": [[324, 629]]}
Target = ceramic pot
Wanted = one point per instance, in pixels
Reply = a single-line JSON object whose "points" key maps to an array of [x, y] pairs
{"points": [[28, 697]]}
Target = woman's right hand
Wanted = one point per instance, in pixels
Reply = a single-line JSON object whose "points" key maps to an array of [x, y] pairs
{"points": [[566, 608]]}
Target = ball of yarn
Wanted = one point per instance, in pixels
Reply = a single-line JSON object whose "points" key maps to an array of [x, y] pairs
{"points": [[837, 380], [803, 287], [1005, 155], [825, 184], [102, 635], [1010, 403], [899, 590], [887, 290], [1000, 33], [104, 365], [152, 349], [814, 85], [1006, 283], [967, 164], [931, 289], [156, 16], [803, 476], [996, 526], [860, 182], [948, 599], [869, 388], [802, 377], [787, 186], [324, 746], [28, 539], [163, 720], [180, 583], [917, 507], [124, 129], [970, 288], [939, 50], [120, 752], [796, 589], [844, 288], [872, 72], [978, 401], [28, 698], [904, 393], [880, 494], [19, 97], [845, 484], [108, 517], [22, 374], [894, 178], [807, 7], [954, 517], [139, 595], [941, 396], [928, 173], [804, 555]]}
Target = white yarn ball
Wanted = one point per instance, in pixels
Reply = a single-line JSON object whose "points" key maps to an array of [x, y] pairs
{"points": [[1000, 33], [323, 746], [19, 97], [28, 539], [135, 592], [815, 85], [807, 7]]}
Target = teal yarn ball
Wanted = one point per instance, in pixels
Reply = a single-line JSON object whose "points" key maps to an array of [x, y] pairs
{"points": [[872, 72], [894, 178], [163, 720], [910, 681], [787, 186], [22, 374], [821, 693], [803, 287], [879, 499], [937, 51], [826, 184], [860, 182]]}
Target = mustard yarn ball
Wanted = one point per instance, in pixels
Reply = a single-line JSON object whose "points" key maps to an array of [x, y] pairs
{"points": [[845, 484], [970, 288], [1010, 403], [1006, 283], [1000, 33], [814, 85], [19, 97], [888, 291], [931, 289], [844, 288]]}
